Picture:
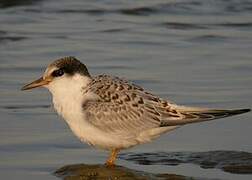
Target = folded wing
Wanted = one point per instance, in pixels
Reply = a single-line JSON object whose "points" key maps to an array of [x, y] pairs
{"points": [[181, 115]]}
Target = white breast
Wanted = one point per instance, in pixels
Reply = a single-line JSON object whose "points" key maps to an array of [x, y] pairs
{"points": [[68, 98]]}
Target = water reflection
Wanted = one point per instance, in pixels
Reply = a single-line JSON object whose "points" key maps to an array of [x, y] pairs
{"points": [[8, 3], [236, 162]]}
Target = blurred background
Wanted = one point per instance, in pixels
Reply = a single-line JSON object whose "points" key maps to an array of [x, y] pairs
{"points": [[192, 52]]}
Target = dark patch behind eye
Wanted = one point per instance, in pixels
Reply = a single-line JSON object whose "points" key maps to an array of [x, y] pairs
{"points": [[69, 69]]}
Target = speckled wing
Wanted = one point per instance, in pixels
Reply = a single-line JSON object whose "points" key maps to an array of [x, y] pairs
{"points": [[122, 107], [125, 108]]}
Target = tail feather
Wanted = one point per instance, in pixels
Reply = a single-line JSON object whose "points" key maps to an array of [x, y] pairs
{"points": [[193, 115]]}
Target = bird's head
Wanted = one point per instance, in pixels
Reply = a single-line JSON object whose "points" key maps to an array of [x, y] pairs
{"points": [[61, 75]]}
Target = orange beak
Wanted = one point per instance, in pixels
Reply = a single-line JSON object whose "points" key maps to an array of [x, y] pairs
{"points": [[37, 83]]}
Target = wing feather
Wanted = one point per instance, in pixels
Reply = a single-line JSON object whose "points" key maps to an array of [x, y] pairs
{"points": [[124, 121], [124, 108], [187, 115]]}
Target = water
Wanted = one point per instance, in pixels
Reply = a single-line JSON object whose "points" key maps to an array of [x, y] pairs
{"points": [[191, 52]]}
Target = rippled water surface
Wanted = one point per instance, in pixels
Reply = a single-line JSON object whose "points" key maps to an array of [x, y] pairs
{"points": [[191, 52]]}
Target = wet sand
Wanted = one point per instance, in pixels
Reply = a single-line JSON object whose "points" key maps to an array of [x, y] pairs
{"points": [[96, 172]]}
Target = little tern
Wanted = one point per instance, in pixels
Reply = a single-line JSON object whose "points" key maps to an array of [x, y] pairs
{"points": [[111, 113]]}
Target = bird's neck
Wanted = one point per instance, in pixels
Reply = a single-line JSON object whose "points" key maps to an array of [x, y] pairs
{"points": [[68, 95]]}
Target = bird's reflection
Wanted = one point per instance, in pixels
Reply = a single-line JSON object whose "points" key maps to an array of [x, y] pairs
{"points": [[87, 172]]}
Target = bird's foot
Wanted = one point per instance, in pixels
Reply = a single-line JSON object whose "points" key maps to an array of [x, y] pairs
{"points": [[111, 160], [110, 164]]}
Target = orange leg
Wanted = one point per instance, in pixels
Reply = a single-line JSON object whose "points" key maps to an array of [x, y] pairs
{"points": [[111, 160]]}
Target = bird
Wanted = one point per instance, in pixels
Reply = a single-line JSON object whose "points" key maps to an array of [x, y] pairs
{"points": [[111, 113]]}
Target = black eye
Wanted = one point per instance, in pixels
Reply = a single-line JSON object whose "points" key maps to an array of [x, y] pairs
{"points": [[57, 73]]}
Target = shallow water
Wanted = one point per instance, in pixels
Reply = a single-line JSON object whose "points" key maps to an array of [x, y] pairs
{"points": [[191, 52]]}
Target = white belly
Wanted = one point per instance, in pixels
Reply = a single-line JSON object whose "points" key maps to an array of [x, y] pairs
{"points": [[86, 132]]}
